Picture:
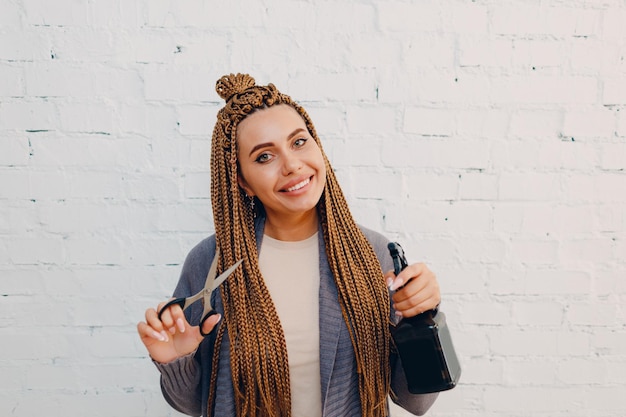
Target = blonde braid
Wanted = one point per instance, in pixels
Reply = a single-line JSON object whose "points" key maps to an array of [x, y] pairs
{"points": [[258, 351]]}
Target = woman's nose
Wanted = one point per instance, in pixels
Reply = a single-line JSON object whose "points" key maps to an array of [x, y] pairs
{"points": [[291, 163]]}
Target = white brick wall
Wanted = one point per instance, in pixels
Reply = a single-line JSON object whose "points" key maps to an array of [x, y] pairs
{"points": [[488, 137]]}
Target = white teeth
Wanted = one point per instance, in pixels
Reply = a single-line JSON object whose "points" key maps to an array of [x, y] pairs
{"points": [[299, 185]]}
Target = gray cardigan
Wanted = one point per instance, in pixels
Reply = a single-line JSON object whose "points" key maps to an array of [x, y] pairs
{"points": [[185, 382]]}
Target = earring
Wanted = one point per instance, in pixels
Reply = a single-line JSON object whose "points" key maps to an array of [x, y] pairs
{"points": [[251, 201]]}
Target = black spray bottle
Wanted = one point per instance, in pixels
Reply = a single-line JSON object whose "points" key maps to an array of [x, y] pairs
{"points": [[424, 344]]}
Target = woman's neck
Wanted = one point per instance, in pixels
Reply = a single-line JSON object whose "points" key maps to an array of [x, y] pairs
{"points": [[292, 229]]}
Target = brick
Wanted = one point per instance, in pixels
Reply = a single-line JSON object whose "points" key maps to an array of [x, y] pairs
{"points": [[594, 250], [538, 313], [482, 124], [574, 342], [87, 117], [346, 87], [592, 314], [528, 187], [368, 49], [151, 120], [478, 186], [34, 115], [590, 123], [557, 21], [430, 50], [608, 341], [197, 120], [544, 89], [486, 312], [197, 185], [484, 53], [582, 371], [612, 28], [20, 45], [535, 124], [181, 85], [356, 151], [396, 16], [425, 187], [11, 81], [32, 250], [68, 13], [561, 399], [437, 153], [539, 54], [613, 156], [487, 250], [57, 79], [390, 190], [530, 372], [557, 282], [510, 341], [15, 151], [614, 91], [606, 398], [466, 18], [435, 122], [482, 371], [370, 120]]}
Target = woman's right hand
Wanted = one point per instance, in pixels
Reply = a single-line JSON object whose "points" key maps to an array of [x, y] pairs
{"points": [[172, 336]]}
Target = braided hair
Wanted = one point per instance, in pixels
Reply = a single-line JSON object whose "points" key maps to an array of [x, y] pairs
{"points": [[258, 352]]}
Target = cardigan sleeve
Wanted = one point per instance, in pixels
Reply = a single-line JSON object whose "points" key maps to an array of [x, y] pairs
{"points": [[416, 404], [181, 378]]}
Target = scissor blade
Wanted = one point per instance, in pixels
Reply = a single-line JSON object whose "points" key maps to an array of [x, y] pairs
{"points": [[218, 281], [210, 277]]}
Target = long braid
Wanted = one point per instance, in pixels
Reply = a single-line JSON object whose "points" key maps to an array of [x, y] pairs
{"points": [[258, 351]]}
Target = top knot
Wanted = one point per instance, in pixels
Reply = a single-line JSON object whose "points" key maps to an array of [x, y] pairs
{"points": [[232, 84]]}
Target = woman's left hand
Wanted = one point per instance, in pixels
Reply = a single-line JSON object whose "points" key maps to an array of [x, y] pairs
{"points": [[417, 290]]}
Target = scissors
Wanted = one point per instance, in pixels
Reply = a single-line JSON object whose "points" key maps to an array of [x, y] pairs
{"points": [[204, 294]]}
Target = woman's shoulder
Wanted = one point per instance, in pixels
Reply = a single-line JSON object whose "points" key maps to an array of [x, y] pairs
{"points": [[379, 242], [375, 238], [200, 255]]}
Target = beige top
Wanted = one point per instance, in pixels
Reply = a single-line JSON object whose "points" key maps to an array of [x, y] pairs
{"points": [[291, 273]]}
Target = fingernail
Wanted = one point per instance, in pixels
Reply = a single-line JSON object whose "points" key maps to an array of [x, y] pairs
{"points": [[172, 330], [389, 282], [398, 314], [181, 325], [158, 336], [165, 337], [397, 283]]}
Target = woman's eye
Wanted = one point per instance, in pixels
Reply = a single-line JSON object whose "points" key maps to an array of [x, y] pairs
{"points": [[264, 157], [300, 142]]}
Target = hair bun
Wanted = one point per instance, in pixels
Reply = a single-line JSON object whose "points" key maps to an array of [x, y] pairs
{"points": [[232, 84]]}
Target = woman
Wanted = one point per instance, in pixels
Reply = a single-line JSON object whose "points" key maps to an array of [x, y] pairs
{"points": [[304, 322]]}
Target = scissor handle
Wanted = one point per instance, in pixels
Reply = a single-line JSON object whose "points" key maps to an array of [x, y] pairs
{"points": [[176, 301], [206, 316]]}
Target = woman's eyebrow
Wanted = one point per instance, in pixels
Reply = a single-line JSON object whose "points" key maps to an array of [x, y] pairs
{"points": [[266, 144]]}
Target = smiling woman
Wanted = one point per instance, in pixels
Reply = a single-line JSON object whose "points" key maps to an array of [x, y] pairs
{"points": [[305, 329]]}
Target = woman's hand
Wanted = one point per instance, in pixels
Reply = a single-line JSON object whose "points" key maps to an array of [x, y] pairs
{"points": [[417, 290], [172, 336]]}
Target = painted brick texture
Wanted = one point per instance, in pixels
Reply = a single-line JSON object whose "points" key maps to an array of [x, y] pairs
{"points": [[489, 138]]}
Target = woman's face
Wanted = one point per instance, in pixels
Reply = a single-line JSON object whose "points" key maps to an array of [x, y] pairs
{"points": [[280, 163]]}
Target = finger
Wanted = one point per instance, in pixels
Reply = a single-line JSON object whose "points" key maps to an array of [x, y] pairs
{"points": [[169, 316], [418, 303], [406, 275], [418, 309], [210, 323], [147, 333], [152, 319]]}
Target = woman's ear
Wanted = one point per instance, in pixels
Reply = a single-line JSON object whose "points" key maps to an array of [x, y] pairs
{"points": [[244, 185]]}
